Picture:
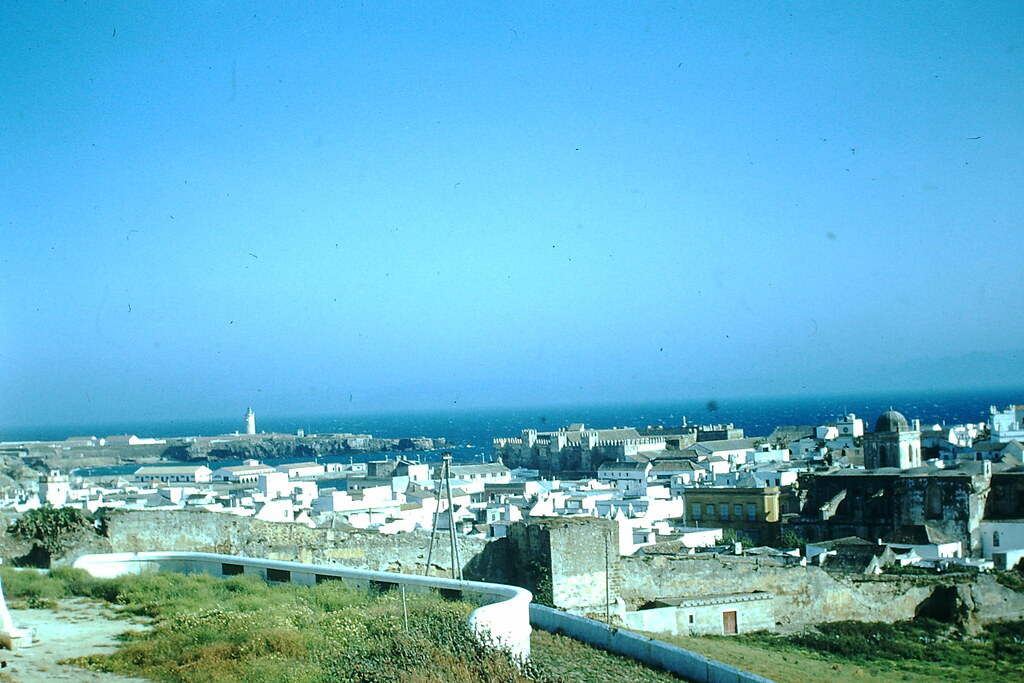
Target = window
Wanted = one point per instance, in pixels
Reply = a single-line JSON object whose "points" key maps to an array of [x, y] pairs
{"points": [[995, 539], [751, 512], [282, 575], [737, 511], [691, 618], [321, 578], [231, 569], [723, 511], [696, 510], [710, 509], [933, 501]]}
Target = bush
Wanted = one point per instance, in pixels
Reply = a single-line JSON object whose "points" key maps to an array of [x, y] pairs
{"points": [[51, 530]]}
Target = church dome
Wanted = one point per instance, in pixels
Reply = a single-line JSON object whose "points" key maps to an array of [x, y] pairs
{"points": [[891, 421]]}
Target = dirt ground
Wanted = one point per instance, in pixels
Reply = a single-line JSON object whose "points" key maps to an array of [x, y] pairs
{"points": [[76, 627]]}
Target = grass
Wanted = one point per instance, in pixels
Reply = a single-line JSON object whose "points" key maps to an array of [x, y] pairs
{"points": [[918, 650], [564, 659], [1013, 579], [243, 629]]}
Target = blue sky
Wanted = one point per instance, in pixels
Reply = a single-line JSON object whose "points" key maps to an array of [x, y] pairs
{"points": [[314, 208]]}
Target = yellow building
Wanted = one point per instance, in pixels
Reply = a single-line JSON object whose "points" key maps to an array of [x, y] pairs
{"points": [[753, 512]]}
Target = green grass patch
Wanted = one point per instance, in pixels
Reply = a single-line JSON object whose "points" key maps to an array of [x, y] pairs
{"points": [[565, 659], [1012, 579], [242, 629], [916, 650]]}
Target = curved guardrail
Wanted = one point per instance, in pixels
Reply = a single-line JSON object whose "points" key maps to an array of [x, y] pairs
{"points": [[502, 620]]}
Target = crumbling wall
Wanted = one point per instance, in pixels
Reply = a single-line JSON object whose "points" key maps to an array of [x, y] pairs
{"points": [[568, 562], [201, 531], [803, 595]]}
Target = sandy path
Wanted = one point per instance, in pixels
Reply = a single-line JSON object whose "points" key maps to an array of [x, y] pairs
{"points": [[77, 627]]}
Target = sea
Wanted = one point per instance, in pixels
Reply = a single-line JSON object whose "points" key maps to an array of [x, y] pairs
{"points": [[470, 432]]}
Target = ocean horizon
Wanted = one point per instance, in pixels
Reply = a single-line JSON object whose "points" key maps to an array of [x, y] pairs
{"points": [[477, 427]]}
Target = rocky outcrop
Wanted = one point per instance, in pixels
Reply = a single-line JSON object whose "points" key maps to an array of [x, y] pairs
{"points": [[287, 447]]}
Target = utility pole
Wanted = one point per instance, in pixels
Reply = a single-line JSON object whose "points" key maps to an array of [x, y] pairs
{"points": [[444, 484]]}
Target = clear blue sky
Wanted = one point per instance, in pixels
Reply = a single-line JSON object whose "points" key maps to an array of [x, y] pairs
{"points": [[313, 208]]}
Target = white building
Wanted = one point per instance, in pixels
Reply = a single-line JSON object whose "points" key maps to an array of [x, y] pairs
{"points": [[488, 473], [927, 542], [736, 451], [674, 470], [766, 453], [167, 474], [130, 440], [826, 432], [54, 489], [629, 477], [274, 485], [296, 470], [1006, 425], [1000, 536], [755, 478], [247, 473], [851, 426]]}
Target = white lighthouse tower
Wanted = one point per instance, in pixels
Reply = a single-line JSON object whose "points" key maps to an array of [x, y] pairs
{"points": [[250, 421]]}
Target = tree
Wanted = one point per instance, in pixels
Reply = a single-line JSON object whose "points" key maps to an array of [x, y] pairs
{"points": [[791, 539], [730, 536]]}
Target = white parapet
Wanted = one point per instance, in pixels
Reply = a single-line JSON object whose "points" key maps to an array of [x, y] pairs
{"points": [[503, 620], [11, 636]]}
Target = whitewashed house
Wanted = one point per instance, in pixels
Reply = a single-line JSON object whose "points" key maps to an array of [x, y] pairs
{"points": [[247, 473], [297, 470], [166, 474], [629, 477], [927, 542]]}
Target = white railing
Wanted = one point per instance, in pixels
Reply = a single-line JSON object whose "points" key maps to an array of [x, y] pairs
{"points": [[503, 619], [689, 665]]}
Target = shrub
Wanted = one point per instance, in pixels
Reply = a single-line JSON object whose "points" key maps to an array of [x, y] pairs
{"points": [[50, 529], [31, 586]]}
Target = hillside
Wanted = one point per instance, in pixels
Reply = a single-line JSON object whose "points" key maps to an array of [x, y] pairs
{"points": [[242, 629]]}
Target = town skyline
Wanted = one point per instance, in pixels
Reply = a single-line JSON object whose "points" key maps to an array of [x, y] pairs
{"points": [[420, 208]]}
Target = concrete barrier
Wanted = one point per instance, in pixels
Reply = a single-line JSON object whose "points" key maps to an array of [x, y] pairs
{"points": [[689, 665], [503, 619]]}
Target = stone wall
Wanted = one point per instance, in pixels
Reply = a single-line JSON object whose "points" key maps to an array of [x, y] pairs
{"points": [[563, 561], [567, 562], [803, 595], [1007, 498], [201, 531], [809, 595]]}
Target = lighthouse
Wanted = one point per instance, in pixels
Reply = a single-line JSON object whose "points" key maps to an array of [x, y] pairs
{"points": [[250, 421]]}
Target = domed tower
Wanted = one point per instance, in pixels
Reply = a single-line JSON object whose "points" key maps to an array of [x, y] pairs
{"points": [[893, 443], [250, 421]]}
